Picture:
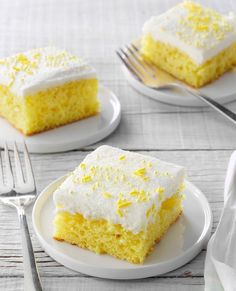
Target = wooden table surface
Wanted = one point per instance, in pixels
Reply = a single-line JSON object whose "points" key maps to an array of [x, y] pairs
{"points": [[197, 138]]}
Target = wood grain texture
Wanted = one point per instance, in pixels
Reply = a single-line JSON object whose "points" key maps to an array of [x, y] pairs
{"points": [[197, 138]]}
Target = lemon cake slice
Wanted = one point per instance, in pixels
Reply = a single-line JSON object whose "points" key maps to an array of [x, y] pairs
{"points": [[193, 43], [118, 202], [45, 88]]}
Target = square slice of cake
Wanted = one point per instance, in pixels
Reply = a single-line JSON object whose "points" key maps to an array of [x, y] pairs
{"points": [[118, 202], [193, 43], [45, 88]]}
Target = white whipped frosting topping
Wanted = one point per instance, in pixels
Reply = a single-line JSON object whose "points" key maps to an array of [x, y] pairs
{"points": [[199, 32], [119, 186], [30, 72]]}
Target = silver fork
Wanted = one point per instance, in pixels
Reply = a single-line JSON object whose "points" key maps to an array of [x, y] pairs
{"points": [[156, 79], [19, 192]]}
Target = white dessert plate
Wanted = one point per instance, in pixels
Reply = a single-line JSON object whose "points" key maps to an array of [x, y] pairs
{"points": [[184, 240], [72, 136]]}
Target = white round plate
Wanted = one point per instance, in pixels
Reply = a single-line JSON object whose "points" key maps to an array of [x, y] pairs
{"points": [[183, 241], [223, 90], [71, 136]]}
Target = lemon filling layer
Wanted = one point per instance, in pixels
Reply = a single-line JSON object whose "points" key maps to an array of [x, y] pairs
{"points": [[102, 236]]}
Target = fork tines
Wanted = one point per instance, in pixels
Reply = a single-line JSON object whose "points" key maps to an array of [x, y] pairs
{"points": [[134, 62], [20, 183]]}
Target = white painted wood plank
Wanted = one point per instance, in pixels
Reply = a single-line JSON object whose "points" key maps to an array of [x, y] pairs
{"points": [[189, 130], [91, 284]]}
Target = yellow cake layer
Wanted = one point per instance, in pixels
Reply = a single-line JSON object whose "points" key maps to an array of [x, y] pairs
{"points": [[102, 236], [50, 108], [178, 64]]}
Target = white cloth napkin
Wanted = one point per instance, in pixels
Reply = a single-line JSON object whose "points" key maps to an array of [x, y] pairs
{"points": [[220, 264]]}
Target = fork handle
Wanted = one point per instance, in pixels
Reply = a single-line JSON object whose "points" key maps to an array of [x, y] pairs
{"points": [[31, 276], [220, 108]]}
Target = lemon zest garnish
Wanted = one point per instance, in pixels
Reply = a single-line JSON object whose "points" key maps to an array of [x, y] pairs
{"points": [[140, 172], [151, 210], [22, 59], [133, 192], [83, 166], [206, 22], [106, 195], [37, 55], [16, 69], [119, 212], [86, 179], [149, 164], [141, 196], [122, 158], [121, 203]]}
